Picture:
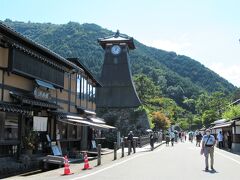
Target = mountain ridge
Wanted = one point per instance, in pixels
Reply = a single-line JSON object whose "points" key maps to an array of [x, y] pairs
{"points": [[178, 76]]}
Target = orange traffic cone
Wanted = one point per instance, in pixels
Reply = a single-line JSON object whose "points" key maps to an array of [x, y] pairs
{"points": [[66, 166], [86, 164]]}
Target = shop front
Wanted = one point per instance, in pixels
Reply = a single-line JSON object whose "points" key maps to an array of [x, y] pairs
{"points": [[225, 128], [47, 102], [236, 135]]}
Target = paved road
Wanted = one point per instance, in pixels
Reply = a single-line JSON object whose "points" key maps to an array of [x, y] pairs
{"points": [[181, 162]]}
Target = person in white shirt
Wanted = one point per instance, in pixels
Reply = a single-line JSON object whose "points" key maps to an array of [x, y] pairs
{"points": [[220, 140], [208, 143]]}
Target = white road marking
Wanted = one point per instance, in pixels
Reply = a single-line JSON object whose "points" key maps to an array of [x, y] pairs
{"points": [[114, 165], [238, 162]]}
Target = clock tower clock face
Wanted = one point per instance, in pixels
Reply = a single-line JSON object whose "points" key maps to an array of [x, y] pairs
{"points": [[116, 49]]}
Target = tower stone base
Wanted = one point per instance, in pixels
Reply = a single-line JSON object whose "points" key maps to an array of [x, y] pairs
{"points": [[126, 119]]}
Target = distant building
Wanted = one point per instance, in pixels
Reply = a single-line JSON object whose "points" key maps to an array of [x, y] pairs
{"points": [[230, 130]]}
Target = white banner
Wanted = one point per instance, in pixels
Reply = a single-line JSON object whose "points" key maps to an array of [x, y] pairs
{"points": [[39, 123]]}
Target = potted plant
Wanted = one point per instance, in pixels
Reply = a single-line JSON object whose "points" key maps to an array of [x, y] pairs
{"points": [[29, 141]]}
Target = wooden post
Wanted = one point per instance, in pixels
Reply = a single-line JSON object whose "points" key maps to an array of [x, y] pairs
{"points": [[122, 145], [134, 146], [99, 147], [115, 150], [140, 141], [129, 147]]}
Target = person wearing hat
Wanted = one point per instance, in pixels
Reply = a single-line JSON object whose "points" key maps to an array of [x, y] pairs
{"points": [[208, 143]]}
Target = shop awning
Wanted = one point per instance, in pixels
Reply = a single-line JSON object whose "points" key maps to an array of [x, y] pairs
{"points": [[34, 102], [44, 84], [85, 111], [217, 126], [75, 122], [9, 107], [97, 120], [81, 121], [105, 126]]}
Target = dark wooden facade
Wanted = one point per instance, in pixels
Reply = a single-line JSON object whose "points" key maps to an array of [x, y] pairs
{"points": [[118, 89], [36, 82]]}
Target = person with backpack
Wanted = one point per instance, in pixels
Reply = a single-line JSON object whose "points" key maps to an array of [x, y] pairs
{"points": [[208, 143]]}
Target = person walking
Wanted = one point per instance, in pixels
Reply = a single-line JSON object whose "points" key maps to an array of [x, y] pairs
{"points": [[185, 136], [180, 136], [130, 138], [172, 136], [198, 139], [220, 140], [152, 139], [229, 140], [190, 136], [208, 143], [167, 138]]}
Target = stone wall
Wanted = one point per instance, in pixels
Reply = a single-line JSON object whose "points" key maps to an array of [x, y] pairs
{"points": [[126, 119]]}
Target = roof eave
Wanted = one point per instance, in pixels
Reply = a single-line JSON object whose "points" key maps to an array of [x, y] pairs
{"points": [[79, 63], [28, 42]]}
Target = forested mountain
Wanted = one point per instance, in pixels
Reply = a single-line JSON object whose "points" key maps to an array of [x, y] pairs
{"points": [[178, 77]]}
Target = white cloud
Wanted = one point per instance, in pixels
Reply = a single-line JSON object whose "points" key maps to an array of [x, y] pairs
{"points": [[230, 72]]}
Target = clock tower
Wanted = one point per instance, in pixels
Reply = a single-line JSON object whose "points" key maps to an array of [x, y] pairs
{"points": [[118, 90], [117, 100]]}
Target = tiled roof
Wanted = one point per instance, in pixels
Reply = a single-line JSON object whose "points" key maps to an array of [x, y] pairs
{"points": [[40, 48], [117, 38], [10, 107]]}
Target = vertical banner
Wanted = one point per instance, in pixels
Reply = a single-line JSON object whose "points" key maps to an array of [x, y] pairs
{"points": [[39, 123]]}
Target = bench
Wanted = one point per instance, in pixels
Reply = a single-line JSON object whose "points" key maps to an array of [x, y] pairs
{"points": [[50, 159]]}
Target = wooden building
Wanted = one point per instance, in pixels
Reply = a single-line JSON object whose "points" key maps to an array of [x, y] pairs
{"points": [[236, 134], [43, 94], [231, 133]]}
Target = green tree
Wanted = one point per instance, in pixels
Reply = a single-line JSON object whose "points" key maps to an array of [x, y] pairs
{"points": [[160, 120], [218, 102], [208, 117], [190, 104], [236, 94], [145, 87], [232, 112], [197, 122], [183, 123], [202, 103]]}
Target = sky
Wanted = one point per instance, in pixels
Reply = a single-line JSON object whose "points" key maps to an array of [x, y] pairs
{"points": [[205, 30]]}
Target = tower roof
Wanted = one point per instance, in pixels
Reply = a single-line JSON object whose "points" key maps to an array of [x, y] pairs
{"points": [[116, 39]]}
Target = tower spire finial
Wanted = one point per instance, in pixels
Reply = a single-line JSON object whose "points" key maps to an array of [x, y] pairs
{"points": [[117, 34]]}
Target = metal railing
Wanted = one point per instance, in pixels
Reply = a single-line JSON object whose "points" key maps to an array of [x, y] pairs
{"points": [[143, 140]]}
